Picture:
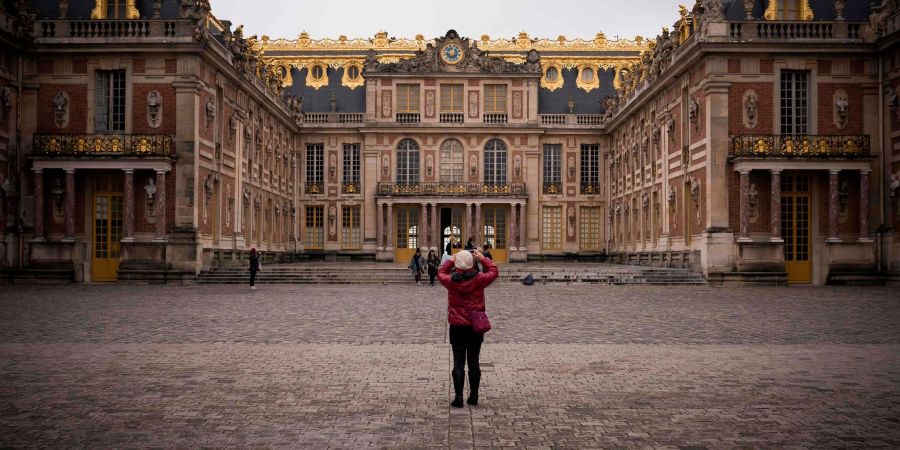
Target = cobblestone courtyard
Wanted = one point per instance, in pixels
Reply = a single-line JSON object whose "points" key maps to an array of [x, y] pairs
{"points": [[351, 367]]}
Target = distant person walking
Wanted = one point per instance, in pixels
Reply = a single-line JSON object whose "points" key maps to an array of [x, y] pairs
{"points": [[433, 263], [465, 295], [255, 266], [417, 266]]}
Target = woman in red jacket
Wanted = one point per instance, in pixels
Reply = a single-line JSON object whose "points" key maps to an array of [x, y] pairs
{"points": [[465, 293]]}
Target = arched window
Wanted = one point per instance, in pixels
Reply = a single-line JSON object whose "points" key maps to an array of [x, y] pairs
{"points": [[495, 162], [407, 162], [452, 158]]}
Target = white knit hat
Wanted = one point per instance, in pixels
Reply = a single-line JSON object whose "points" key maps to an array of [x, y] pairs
{"points": [[463, 260]]}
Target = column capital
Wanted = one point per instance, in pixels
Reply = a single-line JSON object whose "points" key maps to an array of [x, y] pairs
{"points": [[69, 170], [162, 171], [37, 170], [865, 171], [744, 171], [775, 171], [834, 171], [128, 171]]}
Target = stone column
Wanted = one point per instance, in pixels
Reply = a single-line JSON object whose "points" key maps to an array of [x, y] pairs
{"points": [[469, 226], [513, 225], [424, 238], [128, 210], [436, 228], [833, 206], [390, 227], [479, 226], [745, 206], [864, 206], [775, 210], [70, 206], [379, 226], [38, 204], [160, 205], [522, 219]]}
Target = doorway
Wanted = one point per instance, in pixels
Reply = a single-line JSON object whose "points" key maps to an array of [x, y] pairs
{"points": [[795, 211], [495, 221], [407, 221], [452, 228], [107, 228]]}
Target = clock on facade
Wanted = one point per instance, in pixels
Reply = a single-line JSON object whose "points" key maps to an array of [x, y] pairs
{"points": [[451, 53]]}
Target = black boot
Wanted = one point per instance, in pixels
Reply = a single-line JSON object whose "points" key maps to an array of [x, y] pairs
{"points": [[459, 379], [474, 382]]}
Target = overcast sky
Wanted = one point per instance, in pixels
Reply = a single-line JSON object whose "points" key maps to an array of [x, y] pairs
{"points": [[432, 18]]}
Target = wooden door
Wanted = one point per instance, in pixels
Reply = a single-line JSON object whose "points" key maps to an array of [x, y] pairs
{"points": [[107, 224], [407, 232], [795, 212], [495, 231]]}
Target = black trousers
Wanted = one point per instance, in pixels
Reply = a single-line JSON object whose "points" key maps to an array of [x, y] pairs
{"points": [[466, 345], [252, 277]]}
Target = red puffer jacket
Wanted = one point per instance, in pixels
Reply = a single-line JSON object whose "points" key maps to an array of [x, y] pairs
{"points": [[466, 293]]}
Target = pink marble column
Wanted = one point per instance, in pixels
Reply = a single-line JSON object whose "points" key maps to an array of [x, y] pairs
{"points": [[435, 228], [390, 227], [479, 227], [38, 204], [513, 225], [69, 203], [470, 228], [128, 210], [864, 206], [745, 207], [424, 238], [775, 215], [379, 226], [522, 226], [833, 206], [160, 205]]}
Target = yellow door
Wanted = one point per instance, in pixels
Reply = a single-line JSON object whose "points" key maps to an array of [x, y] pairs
{"points": [[495, 232], [795, 227], [107, 235], [407, 220]]}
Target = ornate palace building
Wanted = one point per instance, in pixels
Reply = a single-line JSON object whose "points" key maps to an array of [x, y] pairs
{"points": [[752, 141]]}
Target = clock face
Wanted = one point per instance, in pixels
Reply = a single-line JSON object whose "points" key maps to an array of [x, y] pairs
{"points": [[451, 53]]}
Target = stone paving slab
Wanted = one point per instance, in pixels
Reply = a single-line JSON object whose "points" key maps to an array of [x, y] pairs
{"points": [[108, 366]]}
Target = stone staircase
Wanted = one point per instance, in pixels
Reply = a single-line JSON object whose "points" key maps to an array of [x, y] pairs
{"points": [[386, 273]]}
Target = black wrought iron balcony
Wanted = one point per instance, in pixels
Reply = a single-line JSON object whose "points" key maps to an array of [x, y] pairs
{"points": [[590, 188], [315, 188], [449, 189], [103, 145], [350, 187], [799, 146], [552, 187]]}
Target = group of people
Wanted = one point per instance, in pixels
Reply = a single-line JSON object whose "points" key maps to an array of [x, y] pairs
{"points": [[420, 265]]}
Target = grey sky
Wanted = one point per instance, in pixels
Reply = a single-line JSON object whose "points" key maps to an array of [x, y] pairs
{"points": [[432, 18]]}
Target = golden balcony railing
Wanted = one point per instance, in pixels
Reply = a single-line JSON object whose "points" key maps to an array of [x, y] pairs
{"points": [[799, 146], [103, 145], [450, 189]]}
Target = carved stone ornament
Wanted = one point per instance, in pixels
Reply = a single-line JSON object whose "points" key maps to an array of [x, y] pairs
{"points": [[149, 210], [671, 196], [571, 167], [841, 106], [429, 165], [332, 221], [517, 166], [246, 198], [517, 105], [429, 103], [694, 113], [754, 201], [61, 109], [386, 106], [210, 112], [473, 166], [207, 195], [473, 104], [154, 109], [63, 8], [232, 126], [891, 97], [645, 200], [839, 10], [453, 53], [570, 214], [695, 190], [385, 167], [5, 102], [748, 9], [751, 109]]}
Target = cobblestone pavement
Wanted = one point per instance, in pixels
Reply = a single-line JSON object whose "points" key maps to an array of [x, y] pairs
{"points": [[354, 366]]}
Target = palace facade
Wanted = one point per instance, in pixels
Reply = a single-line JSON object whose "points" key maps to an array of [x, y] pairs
{"points": [[753, 141]]}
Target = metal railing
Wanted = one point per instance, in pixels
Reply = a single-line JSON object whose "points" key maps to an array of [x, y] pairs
{"points": [[103, 145], [350, 187], [451, 118], [591, 188], [552, 187], [314, 188], [449, 189], [801, 146]]}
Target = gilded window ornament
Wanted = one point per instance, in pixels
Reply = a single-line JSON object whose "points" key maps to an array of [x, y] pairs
{"points": [[552, 79], [775, 10], [587, 78], [352, 75], [100, 10], [317, 75]]}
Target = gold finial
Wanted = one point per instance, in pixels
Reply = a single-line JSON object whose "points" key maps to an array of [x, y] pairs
{"points": [[342, 39], [562, 39], [265, 38], [485, 38], [420, 37]]}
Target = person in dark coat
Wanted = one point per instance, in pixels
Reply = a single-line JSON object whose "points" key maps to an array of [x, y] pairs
{"points": [[469, 245], [433, 263], [254, 267], [487, 254], [465, 293], [417, 266]]}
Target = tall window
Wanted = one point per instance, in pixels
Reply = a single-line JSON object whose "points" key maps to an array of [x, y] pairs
{"points": [[315, 168], [350, 183], [495, 98], [589, 231], [315, 227], [452, 159], [110, 114], [407, 98], [452, 98], [407, 162], [552, 168], [590, 169], [551, 228], [351, 235], [495, 162], [794, 102]]}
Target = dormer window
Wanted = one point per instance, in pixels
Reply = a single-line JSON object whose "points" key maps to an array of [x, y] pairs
{"points": [[115, 9], [788, 10]]}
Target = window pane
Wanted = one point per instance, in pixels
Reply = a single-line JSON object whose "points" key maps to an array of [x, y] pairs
{"points": [[551, 227], [451, 161], [315, 227], [407, 98], [495, 162], [407, 162], [590, 228]]}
